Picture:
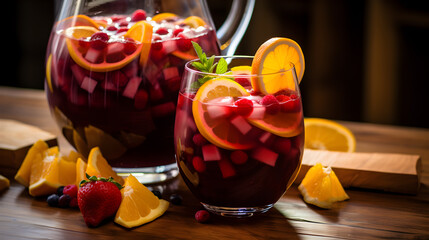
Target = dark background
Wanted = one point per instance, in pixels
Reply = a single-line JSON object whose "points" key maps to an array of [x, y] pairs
{"points": [[365, 60]]}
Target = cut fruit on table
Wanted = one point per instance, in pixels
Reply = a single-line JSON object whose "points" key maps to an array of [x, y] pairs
{"points": [[34, 154], [218, 131], [98, 166], [139, 205], [321, 187], [273, 56], [4, 183], [323, 134]]}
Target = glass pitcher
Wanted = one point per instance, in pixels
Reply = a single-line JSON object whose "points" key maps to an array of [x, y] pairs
{"points": [[113, 72]]}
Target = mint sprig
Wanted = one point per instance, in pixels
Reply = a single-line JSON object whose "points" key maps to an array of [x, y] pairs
{"points": [[207, 66]]}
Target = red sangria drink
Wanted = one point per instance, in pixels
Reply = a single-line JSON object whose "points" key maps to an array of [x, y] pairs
{"points": [[113, 81], [239, 146]]}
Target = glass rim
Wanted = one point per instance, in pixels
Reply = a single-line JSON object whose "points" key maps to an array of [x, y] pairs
{"points": [[190, 69]]}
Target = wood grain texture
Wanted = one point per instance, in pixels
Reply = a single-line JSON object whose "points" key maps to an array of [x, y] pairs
{"points": [[369, 214]]}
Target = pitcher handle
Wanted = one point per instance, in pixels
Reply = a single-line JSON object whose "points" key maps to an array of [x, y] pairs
{"points": [[232, 30]]}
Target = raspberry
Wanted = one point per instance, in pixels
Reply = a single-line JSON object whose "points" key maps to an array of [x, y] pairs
{"points": [[122, 29], [199, 140], [199, 164], [243, 81], [162, 31], [202, 216], [111, 28], [130, 46], [156, 44], [177, 31], [52, 200], [64, 201], [239, 157], [138, 15], [244, 107], [176, 199], [183, 43], [271, 103], [99, 40], [70, 190], [123, 23], [73, 203]]}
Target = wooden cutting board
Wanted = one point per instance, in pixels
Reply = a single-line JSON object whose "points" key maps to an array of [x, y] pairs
{"points": [[15, 140], [389, 172]]}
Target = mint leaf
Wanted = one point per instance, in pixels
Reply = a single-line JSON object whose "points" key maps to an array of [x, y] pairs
{"points": [[198, 66], [222, 66], [201, 55]]}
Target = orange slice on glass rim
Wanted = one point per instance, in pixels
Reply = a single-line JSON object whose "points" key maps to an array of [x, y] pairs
{"points": [[140, 32], [273, 56], [220, 130], [194, 22]]}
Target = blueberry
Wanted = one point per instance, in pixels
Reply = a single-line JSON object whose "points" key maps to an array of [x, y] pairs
{"points": [[60, 190], [52, 200], [176, 199], [64, 201], [157, 193]]}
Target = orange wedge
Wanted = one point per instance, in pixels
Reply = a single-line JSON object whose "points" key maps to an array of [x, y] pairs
{"points": [[324, 134], [142, 33], [139, 205], [98, 166], [44, 177], [219, 131], [78, 20], [34, 154], [67, 171], [48, 73], [194, 22], [321, 187], [80, 171], [273, 56], [164, 16], [283, 124], [4, 183]]}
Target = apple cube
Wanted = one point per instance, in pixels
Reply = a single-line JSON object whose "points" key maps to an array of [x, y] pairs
{"points": [[169, 46], [241, 124], [93, 55], [226, 168], [265, 155], [171, 72], [78, 73], [132, 87], [88, 84], [211, 153], [265, 137]]}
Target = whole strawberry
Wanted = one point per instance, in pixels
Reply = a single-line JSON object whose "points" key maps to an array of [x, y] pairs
{"points": [[98, 199]]}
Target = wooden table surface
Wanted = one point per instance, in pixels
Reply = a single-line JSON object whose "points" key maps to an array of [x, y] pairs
{"points": [[368, 214]]}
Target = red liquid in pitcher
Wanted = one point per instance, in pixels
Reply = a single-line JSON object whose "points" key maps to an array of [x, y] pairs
{"points": [[127, 110]]}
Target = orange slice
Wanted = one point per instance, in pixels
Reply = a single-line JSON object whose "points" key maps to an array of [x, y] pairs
{"points": [[78, 20], [34, 154], [164, 16], [219, 131], [239, 70], [321, 187], [281, 124], [4, 183], [142, 33], [98, 166], [44, 177], [326, 134], [139, 205], [48, 73], [194, 22], [80, 171], [273, 56]]}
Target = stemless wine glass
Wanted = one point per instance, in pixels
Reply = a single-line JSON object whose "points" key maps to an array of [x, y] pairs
{"points": [[113, 73], [238, 150]]}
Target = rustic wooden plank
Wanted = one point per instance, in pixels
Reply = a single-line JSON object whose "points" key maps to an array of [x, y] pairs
{"points": [[382, 171]]}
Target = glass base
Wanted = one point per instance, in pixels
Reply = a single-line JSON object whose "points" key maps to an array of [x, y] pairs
{"points": [[150, 175], [237, 212]]}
